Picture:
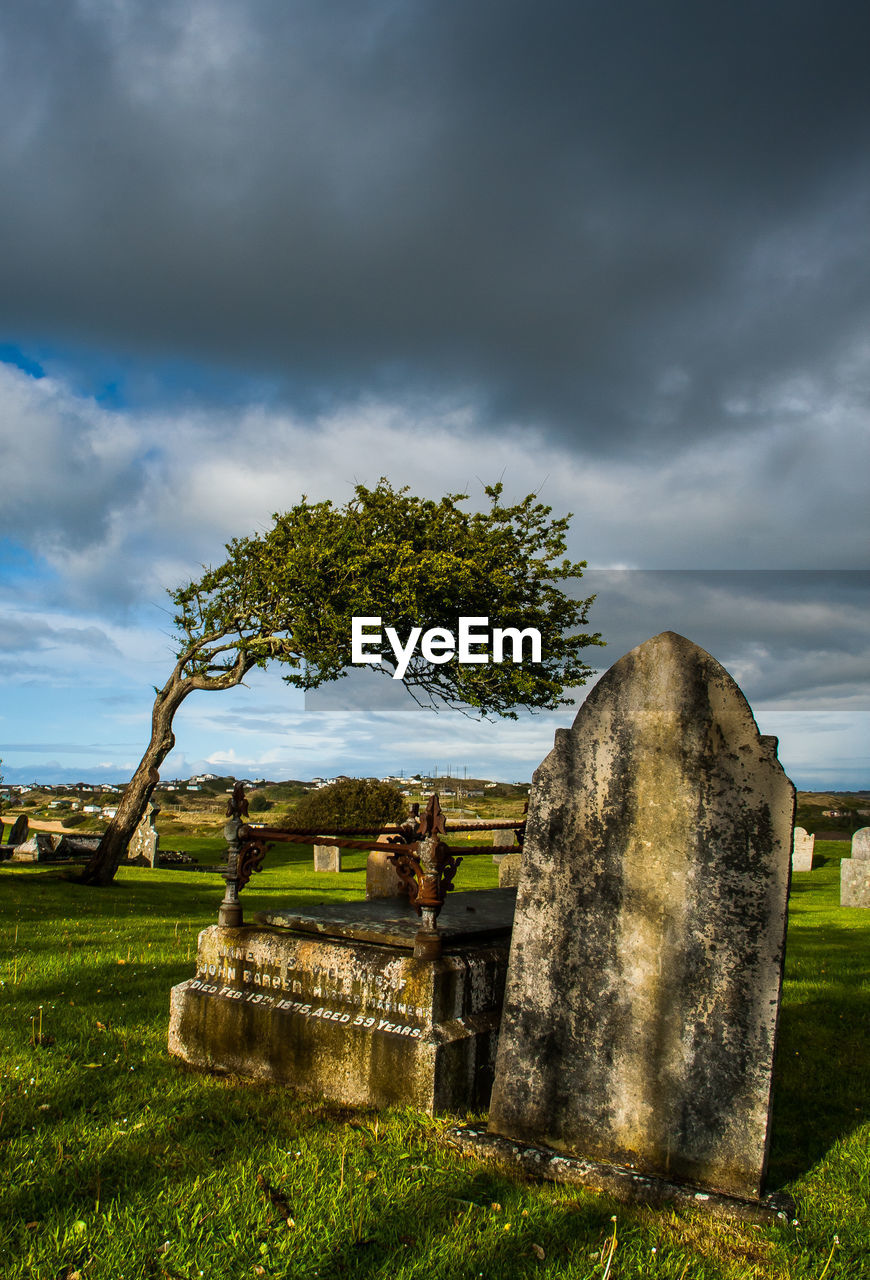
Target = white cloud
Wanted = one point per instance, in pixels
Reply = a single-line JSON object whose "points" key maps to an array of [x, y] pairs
{"points": [[130, 502], [123, 504]]}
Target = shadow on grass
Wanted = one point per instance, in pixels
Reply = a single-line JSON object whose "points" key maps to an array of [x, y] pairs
{"points": [[822, 1071], [201, 1144]]}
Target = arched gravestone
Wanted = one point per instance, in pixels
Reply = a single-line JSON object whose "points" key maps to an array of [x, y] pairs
{"points": [[802, 850], [644, 977], [18, 834], [861, 843]]}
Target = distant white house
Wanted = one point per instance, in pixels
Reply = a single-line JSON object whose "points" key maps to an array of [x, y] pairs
{"points": [[91, 808], [108, 813]]}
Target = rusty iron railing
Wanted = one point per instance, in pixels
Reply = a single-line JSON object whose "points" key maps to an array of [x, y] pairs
{"points": [[425, 864]]}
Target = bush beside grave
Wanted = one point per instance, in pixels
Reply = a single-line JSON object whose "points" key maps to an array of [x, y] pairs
{"points": [[360, 802]]}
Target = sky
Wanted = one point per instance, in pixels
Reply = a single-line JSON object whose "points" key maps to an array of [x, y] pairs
{"points": [[613, 254]]}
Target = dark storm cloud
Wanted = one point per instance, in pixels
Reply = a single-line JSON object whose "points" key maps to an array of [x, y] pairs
{"points": [[800, 635], [784, 635], [613, 220]]}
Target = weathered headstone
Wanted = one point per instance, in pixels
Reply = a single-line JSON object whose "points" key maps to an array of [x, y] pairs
{"points": [[18, 834], [802, 850], [327, 857], [509, 870], [855, 882], [643, 989], [861, 843], [382, 878], [855, 872], [502, 840], [334, 1002], [145, 841]]}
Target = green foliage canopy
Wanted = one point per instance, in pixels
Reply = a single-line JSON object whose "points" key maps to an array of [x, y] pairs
{"points": [[290, 594]]}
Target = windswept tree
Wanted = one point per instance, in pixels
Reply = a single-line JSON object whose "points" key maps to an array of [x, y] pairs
{"points": [[289, 596]]}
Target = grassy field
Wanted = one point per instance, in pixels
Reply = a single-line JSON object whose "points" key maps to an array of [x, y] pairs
{"points": [[118, 1162]]}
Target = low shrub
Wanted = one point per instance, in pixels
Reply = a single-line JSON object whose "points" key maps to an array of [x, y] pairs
{"points": [[353, 802]]}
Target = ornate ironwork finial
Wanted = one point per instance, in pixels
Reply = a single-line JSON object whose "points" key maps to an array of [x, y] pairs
{"points": [[237, 805], [433, 822]]}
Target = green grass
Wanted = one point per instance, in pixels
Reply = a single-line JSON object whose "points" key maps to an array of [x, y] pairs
{"points": [[118, 1162]]}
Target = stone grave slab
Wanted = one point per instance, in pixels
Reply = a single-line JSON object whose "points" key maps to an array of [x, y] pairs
{"points": [[39, 848], [332, 1002], [641, 1008], [802, 850], [76, 846]]}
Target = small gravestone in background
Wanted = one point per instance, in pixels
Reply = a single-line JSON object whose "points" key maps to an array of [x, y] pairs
{"points": [[327, 857], [18, 834], [144, 843], [382, 878], [46, 845], [802, 851], [643, 988], [502, 840], [855, 872], [509, 870]]}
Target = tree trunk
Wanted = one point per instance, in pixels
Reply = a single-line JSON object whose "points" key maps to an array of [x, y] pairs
{"points": [[112, 849]]}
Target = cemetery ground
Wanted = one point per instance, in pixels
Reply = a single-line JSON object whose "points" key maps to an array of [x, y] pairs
{"points": [[119, 1162]]}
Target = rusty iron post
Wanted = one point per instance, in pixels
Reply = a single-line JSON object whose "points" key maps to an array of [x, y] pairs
{"points": [[426, 873], [427, 943], [230, 910]]}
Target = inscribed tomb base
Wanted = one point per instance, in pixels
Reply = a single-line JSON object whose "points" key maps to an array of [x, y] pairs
{"points": [[335, 1004]]}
